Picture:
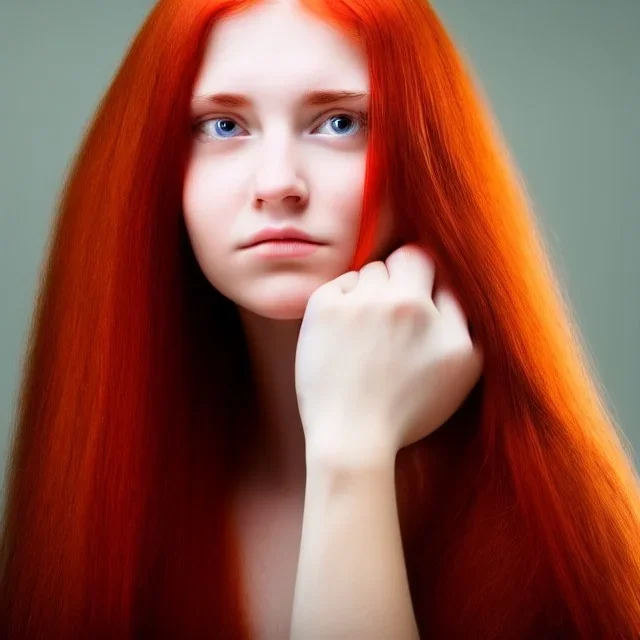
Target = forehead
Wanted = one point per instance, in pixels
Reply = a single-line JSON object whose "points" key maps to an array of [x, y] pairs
{"points": [[276, 47]]}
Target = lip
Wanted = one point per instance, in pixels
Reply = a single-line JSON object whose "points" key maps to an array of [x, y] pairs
{"points": [[283, 249], [280, 233]]}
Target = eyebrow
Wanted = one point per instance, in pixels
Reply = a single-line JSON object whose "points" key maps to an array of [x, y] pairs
{"points": [[311, 98]]}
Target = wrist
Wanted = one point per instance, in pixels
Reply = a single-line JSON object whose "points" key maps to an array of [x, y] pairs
{"points": [[344, 476], [336, 455]]}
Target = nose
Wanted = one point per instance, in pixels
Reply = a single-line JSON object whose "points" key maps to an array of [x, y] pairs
{"points": [[277, 181]]}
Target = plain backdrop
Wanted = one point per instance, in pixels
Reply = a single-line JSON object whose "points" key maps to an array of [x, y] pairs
{"points": [[563, 79]]}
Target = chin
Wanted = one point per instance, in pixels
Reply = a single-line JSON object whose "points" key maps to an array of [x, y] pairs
{"points": [[279, 297], [279, 305]]}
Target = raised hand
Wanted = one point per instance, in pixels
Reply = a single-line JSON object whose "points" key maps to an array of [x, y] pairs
{"points": [[380, 363]]}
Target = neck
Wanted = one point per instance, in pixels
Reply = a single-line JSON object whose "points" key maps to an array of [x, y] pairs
{"points": [[278, 456]]}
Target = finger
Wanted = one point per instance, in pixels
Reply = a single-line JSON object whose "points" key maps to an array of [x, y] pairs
{"points": [[347, 282], [372, 277], [342, 284], [411, 269], [448, 306]]}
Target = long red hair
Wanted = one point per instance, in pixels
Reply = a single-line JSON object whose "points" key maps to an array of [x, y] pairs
{"points": [[520, 516]]}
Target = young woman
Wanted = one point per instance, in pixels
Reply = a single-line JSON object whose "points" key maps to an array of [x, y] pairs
{"points": [[385, 428]]}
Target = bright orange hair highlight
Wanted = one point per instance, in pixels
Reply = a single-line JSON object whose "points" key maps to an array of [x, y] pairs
{"points": [[520, 516]]}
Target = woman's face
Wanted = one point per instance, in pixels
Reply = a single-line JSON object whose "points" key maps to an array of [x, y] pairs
{"points": [[274, 159]]}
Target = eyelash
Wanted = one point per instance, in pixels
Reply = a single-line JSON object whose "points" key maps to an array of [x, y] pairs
{"points": [[361, 117]]}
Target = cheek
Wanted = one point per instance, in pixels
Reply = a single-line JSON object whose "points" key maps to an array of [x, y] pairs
{"points": [[211, 186], [344, 201], [338, 183], [209, 200], [210, 206]]}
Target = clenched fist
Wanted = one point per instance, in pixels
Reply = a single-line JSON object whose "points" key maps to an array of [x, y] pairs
{"points": [[380, 364]]}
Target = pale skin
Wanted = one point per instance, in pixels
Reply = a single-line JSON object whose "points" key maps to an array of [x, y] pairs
{"points": [[407, 362], [314, 330]]}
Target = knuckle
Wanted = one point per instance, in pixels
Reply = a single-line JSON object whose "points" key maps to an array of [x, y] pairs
{"points": [[373, 266], [423, 256], [409, 305]]}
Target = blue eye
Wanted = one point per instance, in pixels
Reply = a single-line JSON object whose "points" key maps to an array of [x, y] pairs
{"points": [[224, 126], [341, 125]]}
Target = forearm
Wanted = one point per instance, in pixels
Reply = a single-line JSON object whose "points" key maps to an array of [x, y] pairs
{"points": [[351, 580]]}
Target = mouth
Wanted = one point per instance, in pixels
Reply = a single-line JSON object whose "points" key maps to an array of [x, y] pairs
{"points": [[288, 234], [279, 240], [288, 248]]}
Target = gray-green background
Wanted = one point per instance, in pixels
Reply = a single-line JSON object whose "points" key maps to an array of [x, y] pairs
{"points": [[563, 79]]}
